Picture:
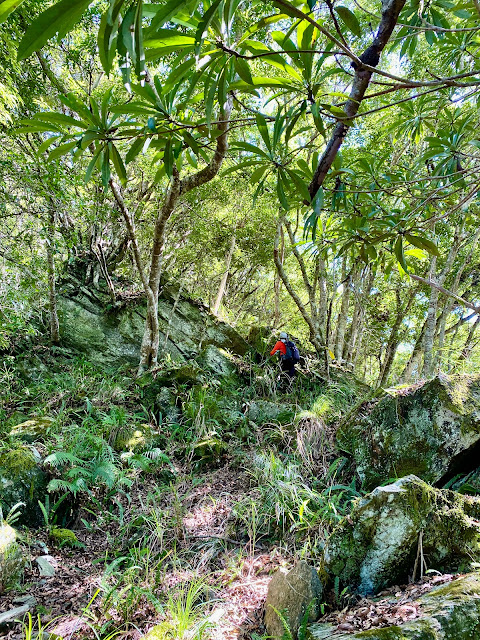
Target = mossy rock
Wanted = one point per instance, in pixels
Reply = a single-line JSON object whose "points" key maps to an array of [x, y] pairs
{"points": [[23, 480], [217, 362], [134, 438], [32, 430], [64, 538], [432, 431], [208, 451], [265, 411], [375, 546], [11, 559], [448, 612]]}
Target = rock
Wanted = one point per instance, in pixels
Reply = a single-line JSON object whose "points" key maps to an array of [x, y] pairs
{"points": [[64, 538], [208, 451], [292, 594], [216, 361], [11, 560], [165, 404], [262, 411], [447, 612], [12, 615], [376, 545], [432, 431], [112, 338], [47, 566], [32, 430], [23, 480]]}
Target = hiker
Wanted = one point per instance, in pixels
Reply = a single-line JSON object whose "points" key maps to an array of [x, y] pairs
{"points": [[289, 355]]}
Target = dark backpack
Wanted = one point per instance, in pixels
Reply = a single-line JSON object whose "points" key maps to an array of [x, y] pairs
{"points": [[292, 352]]}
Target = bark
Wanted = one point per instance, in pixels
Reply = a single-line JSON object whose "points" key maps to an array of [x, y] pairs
{"points": [[178, 187], [223, 283], [342, 316], [315, 335], [467, 347], [393, 340], [277, 283], [356, 331], [52, 293], [454, 288], [416, 353], [371, 56]]}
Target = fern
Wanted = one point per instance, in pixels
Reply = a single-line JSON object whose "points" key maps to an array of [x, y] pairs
{"points": [[60, 458]]}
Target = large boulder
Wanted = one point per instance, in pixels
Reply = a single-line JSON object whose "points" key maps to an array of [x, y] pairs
{"points": [[296, 597], [447, 612], [111, 336], [22, 480], [377, 544], [432, 431], [11, 560]]}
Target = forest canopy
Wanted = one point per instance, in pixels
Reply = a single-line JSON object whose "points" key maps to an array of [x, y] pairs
{"points": [[310, 166]]}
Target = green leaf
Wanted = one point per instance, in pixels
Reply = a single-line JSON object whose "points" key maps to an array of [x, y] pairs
{"points": [[57, 19], [134, 150], [166, 12], [60, 118], [62, 150], [423, 243], [399, 253], [165, 41], [6, 8], [317, 202], [243, 70], [257, 175], [46, 144], [204, 24], [349, 19], [263, 129], [105, 166], [91, 166], [118, 163]]}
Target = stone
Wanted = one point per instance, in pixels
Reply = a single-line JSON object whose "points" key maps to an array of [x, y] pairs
{"points": [[448, 612], [432, 431], [22, 480], [47, 566], [12, 615], [216, 361], [165, 405], [32, 430], [294, 594], [208, 451], [262, 411], [111, 337], [376, 545], [64, 538], [11, 559]]}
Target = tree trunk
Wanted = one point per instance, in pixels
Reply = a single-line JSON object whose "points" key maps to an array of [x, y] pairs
{"points": [[393, 341], [52, 292], [342, 318], [278, 283], [223, 283]]}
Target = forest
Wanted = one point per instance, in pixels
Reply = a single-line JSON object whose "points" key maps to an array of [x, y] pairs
{"points": [[190, 191]]}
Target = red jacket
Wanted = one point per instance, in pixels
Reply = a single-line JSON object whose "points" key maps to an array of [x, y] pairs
{"points": [[280, 346]]}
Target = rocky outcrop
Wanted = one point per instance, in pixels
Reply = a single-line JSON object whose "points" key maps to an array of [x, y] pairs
{"points": [[432, 431], [296, 597], [11, 561], [22, 480], [376, 546], [447, 612], [111, 336], [32, 430]]}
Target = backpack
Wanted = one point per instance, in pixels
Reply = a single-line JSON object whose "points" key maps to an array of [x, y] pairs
{"points": [[292, 352]]}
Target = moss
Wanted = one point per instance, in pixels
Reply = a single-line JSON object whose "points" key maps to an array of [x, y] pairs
{"points": [[385, 633], [64, 538], [11, 559], [460, 588], [17, 461]]}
